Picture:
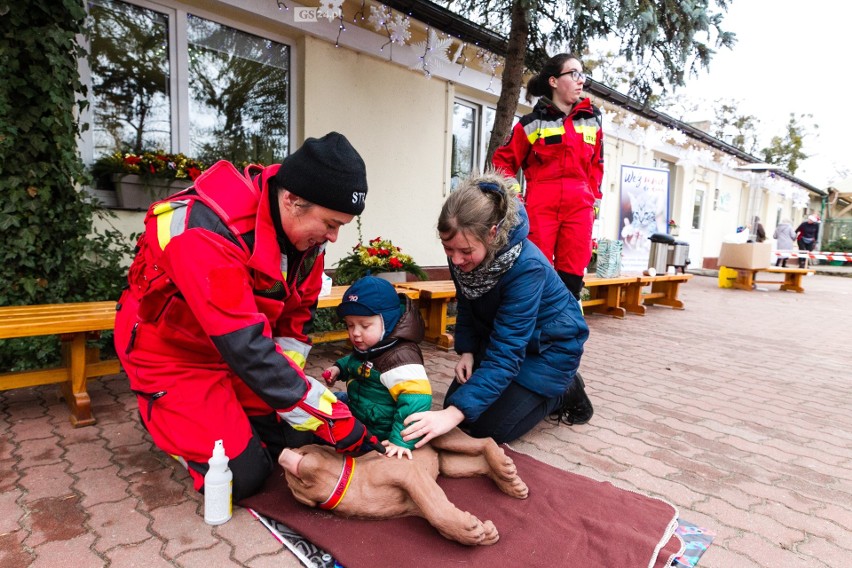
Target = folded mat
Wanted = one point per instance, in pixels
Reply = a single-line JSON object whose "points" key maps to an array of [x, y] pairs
{"points": [[567, 520]]}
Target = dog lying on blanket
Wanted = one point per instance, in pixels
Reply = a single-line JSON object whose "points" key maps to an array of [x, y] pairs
{"points": [[376, 487]]}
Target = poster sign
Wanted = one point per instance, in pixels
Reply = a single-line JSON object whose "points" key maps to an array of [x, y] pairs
{"points": [[644, 211]]}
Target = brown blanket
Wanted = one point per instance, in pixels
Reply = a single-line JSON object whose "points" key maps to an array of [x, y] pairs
{"points": [[568, 520]]}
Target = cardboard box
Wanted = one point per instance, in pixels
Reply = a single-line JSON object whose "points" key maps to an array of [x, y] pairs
{"points": [[746, 255]]}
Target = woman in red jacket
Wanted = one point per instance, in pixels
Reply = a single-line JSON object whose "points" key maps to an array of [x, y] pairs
{"points": [[212, 329], [559, 146]]}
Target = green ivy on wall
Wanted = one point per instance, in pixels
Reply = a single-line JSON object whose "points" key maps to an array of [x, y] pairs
{"points": [[50, 252]]}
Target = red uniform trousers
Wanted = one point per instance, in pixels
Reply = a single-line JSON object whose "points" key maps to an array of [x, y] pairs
{"points": [[561, 215]]}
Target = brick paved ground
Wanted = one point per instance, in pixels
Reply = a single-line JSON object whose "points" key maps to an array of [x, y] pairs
{"points": [[736, 410]]}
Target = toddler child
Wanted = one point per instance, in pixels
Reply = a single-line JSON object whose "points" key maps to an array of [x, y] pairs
{"points": [[384, 375]]}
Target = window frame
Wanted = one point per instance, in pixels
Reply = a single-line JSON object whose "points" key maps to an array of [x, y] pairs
{"points": [[179, 74], [481, 108]]}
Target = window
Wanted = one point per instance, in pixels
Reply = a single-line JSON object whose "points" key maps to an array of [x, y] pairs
{"points": [[465, 156], [233, 105], [472, 126], [697, 208]]}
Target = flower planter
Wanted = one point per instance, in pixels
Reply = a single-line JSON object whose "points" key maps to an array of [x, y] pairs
{"points": [[136, 192], [392, 277]]}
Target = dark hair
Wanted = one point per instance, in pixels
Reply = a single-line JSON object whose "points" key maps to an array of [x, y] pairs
{"points": [[480, 202], [539, 84]]}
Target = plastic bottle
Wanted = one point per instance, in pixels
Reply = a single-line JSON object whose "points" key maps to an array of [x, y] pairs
{"points": [[218, 482]]}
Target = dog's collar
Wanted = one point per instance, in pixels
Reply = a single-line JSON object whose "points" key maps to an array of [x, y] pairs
{"points": [[342, 485]]}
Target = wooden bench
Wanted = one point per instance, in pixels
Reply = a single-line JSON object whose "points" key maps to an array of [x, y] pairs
{"points": [[435, 297], [75, 323], [664, 292], [605, 295], [332, 301], [747, 277]]}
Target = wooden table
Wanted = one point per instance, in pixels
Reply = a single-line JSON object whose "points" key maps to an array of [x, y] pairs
{"points": [[747, 277], [605, 295], [435, 298], [664, 292]]}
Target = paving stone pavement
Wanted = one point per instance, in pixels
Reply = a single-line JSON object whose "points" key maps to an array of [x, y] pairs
{"points": [[738, 410]]}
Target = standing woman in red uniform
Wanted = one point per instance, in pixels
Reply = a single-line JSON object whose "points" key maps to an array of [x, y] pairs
{"points": [[559, 146]]}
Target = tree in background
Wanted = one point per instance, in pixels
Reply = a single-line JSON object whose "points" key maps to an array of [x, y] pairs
{"points": [[667, 39], [787, 151], [738, 130]]}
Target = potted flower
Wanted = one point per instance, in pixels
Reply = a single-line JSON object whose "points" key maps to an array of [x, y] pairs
{"points": [[379, 257], [140, 179], [673, 228]]}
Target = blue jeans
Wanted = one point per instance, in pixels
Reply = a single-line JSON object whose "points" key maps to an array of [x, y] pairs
{"points": [[515, 413]]}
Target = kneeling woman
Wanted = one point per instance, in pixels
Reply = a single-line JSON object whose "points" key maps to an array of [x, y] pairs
{"points": [[519, 332]]}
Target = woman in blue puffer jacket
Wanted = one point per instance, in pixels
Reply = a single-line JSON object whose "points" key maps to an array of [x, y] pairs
{"points": [[519, 331]]}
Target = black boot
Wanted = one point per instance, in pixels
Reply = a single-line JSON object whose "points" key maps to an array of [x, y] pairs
{"points": [[573, 282], [575, 407]]}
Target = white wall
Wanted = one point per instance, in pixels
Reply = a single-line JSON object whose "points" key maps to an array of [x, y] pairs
{"points": [[397, 120]]}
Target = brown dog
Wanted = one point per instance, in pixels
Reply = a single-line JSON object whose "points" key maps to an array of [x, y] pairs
{"points": [[383, 488]]}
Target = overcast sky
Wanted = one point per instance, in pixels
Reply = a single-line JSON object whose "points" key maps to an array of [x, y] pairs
{"points": [[789, 57]]}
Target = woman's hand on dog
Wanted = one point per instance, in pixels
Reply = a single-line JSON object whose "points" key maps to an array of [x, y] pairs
{"points": [[431, 424]]}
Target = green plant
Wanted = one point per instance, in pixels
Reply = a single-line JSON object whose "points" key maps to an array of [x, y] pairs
{"points": [[156, 164], [841, 244], [379, 255], [51, 252]]}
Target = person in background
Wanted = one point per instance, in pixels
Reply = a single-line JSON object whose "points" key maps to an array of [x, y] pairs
{"points": [[519, 332], [559, 146], [212, 329], [759, 232], [384, 375], [786, 237], [806, 235]]}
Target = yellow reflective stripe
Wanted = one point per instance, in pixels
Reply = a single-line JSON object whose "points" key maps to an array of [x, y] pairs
{"points": [[297, 358], [309, 425], [326, 400], [545, 132], [164, 225], [295, 349], [169, 224]]}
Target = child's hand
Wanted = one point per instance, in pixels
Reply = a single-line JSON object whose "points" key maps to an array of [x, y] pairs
{"points": [[394, 450], [330, 375]]}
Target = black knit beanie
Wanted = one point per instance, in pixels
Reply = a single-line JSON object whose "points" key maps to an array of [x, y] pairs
{"points": [[326, 171]]}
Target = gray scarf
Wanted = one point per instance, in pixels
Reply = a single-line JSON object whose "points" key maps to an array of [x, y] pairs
{"points": [[484, 277]]}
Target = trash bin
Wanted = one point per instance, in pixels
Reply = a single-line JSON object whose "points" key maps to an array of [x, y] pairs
{"points": [[658, 259], [678, 255]]}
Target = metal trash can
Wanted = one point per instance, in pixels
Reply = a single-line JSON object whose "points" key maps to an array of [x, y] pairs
{"points": [[658, 259], [678, 255]]}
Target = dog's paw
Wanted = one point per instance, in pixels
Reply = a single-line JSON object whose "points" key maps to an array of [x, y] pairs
{"points": [[471, 531]]}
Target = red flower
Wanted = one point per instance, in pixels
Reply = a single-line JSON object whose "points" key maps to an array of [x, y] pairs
{"points": [[193, 173], [132, 160], [372, 252], [395, 263]]}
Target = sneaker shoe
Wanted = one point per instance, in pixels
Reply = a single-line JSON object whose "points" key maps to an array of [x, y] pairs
{"points": [[575, 407]]}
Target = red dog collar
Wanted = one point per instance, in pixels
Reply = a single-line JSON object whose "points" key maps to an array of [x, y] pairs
{"points": [[342, 485]]}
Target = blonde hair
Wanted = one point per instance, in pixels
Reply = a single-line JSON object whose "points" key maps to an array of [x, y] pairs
{"points": [[481, 201]]}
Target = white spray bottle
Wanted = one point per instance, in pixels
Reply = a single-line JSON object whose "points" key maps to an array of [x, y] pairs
{"points": [[218, 481]]}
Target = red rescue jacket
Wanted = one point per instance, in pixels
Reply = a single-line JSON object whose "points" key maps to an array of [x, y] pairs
{"points": [[554, 148], [212, 280]]}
